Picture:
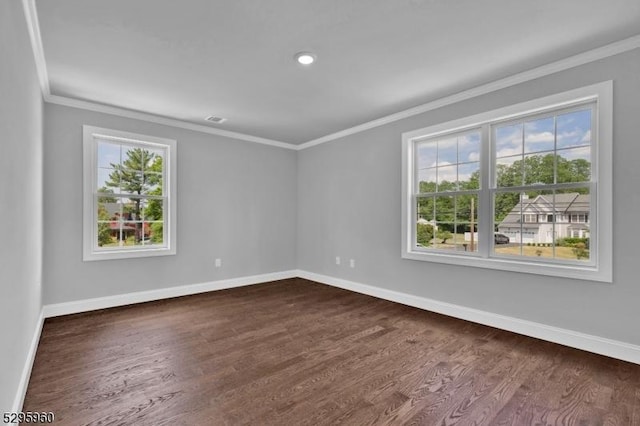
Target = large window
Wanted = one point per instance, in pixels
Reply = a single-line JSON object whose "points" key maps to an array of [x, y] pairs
{"points": [[524, 188], [129, 195]]}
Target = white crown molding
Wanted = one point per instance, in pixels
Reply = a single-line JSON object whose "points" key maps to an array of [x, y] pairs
{"points": [[87, 305], [28, 365], [599, 345], [31, 16], [33, 26], [542, 71], [143, 116]]}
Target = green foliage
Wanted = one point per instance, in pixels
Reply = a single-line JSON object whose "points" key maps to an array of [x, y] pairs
{"points": [[537, 169], [156, 232], [444, 236], [106, 199], [104, 231], [133, 176], [572, 242], [154, 207], [580, 250], [139, 174], [424, 234], [534, 169]]}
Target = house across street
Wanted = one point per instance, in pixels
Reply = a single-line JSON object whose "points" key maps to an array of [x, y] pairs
{"points": [[540, 220]]}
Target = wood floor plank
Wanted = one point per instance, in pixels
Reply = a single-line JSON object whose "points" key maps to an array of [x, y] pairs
{"points": [[295, 352]]}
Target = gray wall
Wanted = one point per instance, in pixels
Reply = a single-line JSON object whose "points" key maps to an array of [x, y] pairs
{"points": [[349, 205], [236, 201], [20, 198]]}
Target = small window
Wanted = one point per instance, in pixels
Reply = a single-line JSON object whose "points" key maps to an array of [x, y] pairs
{"points": [[513, 188], [129, 195]]}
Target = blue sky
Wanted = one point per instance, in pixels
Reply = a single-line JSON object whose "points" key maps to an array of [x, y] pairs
{"points": [[573, 131], [573, 137]]}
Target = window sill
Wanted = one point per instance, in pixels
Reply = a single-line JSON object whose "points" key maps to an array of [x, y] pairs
{"points": [[128, 254], [586, 272]]}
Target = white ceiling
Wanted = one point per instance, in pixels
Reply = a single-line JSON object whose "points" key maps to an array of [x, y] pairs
{"points": [[192, 58]]}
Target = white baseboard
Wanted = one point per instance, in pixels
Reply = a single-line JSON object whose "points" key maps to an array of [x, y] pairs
{"points": [[574, 339], [28, 365], [163, 293]]}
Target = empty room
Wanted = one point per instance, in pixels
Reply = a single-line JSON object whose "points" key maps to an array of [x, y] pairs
{"points": [[420, 212]]}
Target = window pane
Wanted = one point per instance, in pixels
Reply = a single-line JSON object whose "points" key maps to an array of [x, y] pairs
{"points": [[131, 182], [539, 135], [155, 233], [574, 165], [108, 154], [445, 209], [146, 234], [427, 155], [444, 236], [152, 210], [152, 183], [131, 158], [424, 233], [131, 208], [538, 169], [447, 152], [108, 233], [538, 234], [466, 221], [153, 160], [573, 224], [131, 232], [508, 140], [469, 176], [447, 178], [108, 181], [507, 223], [108, 208], [509, 171], [469, 147], [108, 225], [425, 209], [427, 180], [464, 240], [467, 208], [546, 224], [574, 129]]}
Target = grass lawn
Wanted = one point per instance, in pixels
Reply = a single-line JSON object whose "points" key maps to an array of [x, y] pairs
{"points": [[455, 243], [561, 252]]}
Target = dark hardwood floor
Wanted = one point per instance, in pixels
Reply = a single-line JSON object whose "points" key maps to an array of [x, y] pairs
{"points": [[294, 352]]}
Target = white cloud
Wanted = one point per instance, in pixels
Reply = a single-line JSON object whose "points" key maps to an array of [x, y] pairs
{"points": [[587, 137], [575, 153], [505, 152], [446, 143], [474, 156], [542, 137]]}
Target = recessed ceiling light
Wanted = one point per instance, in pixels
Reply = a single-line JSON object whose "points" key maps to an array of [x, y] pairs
{"points": [[305, 58], [214, 119]]}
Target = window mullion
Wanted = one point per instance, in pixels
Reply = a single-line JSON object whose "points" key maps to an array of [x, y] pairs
{"points": [[485, 198]]}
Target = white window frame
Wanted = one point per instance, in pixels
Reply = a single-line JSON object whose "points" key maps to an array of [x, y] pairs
{"points": [[600, 266], [91, 251]]}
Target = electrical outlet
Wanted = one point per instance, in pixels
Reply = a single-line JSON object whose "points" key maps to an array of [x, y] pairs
{"points": [[218, 263], [337, 260], [352, 263]]}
